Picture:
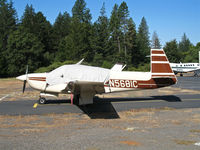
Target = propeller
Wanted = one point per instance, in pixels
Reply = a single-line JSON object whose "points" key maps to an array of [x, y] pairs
{"points": [[24, 86]]}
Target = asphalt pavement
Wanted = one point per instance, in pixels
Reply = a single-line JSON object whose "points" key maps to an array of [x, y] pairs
{"points": [[108, 105]]}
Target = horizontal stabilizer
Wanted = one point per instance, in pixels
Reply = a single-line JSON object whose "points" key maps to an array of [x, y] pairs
{"points": [[78, 63], [118, 67]]}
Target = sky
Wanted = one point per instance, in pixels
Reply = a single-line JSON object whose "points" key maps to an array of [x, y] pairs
{"points": [[169, 18]]}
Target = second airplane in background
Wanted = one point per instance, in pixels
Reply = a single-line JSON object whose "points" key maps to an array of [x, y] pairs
{"points": [[186, 67]]}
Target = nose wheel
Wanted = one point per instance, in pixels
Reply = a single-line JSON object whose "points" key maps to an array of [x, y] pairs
{"points": [[42, 100]]}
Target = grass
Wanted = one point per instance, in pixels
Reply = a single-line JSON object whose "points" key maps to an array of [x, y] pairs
{"points": [[8, 79]]}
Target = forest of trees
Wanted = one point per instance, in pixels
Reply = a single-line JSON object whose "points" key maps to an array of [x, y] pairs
{"points": [[32, 40]]}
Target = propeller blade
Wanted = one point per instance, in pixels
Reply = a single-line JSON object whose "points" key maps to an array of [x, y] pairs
{"points": [[26, 69], [24, 86]]}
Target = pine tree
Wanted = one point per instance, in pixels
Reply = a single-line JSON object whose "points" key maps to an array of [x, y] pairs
{"points": [[8, 20], [143, 39], [61, 29], [123, 14], [80, 12], [114, 27], [132, 51], [62, 25], [192, 55], [28, 20], [185, 44], [155, 43], [171, 50], [23, 49], [37, 24], [100, 37], [78, 44]]}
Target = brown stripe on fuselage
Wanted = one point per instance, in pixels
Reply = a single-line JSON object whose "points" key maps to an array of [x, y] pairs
{"points": [[156, 83], [161, 68], [159, 58], [170, 76], [157, 52], [38, 78]]}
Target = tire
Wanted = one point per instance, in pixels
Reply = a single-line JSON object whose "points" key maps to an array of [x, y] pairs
{"points": [[42, 100]]}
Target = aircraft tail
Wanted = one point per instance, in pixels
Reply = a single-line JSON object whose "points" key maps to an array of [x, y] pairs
{"points": [[160, 66]]}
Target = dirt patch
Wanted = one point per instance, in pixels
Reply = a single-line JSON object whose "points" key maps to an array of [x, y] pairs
{"points": [[33, 121], [28, 131], [176, 122], [195, 130], [131, 143], [195, 118], [92, 148], [184, 142]]}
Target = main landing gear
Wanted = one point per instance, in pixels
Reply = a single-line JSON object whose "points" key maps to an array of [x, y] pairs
{"points": [[74, 99], [42, 100]]}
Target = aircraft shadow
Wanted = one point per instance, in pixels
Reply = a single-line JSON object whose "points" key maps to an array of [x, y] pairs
{"points": [[100, 111], [102, 108], [57, 101], [168, 98], [97, 110]]}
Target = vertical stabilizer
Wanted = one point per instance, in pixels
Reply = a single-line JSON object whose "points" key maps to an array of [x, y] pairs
{"points": [[160, 66]]}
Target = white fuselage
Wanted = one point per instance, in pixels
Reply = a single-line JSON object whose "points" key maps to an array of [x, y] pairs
{"points": [[118, 81], [38, 82]]}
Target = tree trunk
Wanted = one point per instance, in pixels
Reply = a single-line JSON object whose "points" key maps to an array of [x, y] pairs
{"points": [[118, 41]]}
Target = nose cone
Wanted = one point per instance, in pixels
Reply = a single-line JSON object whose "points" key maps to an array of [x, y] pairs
{"points": [[22, 77]]}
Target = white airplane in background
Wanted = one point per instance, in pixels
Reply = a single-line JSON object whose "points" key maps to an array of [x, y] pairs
{"points": [[83, 82], [186, 67]]}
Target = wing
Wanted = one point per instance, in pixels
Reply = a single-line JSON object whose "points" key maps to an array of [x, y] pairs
{"points": [[86, 90], [77, 87]]}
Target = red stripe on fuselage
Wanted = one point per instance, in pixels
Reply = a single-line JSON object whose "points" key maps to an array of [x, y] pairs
{"points": [[38, 78]]}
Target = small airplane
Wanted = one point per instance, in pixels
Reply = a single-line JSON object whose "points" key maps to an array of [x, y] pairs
{"points": [[83, 82], [185, 67]]}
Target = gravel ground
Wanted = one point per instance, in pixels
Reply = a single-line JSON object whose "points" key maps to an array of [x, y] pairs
{"points": [[139, 129], [135, 129]]}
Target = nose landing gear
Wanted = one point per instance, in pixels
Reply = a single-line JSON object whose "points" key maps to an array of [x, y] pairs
{"points": [[42, 100]]}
